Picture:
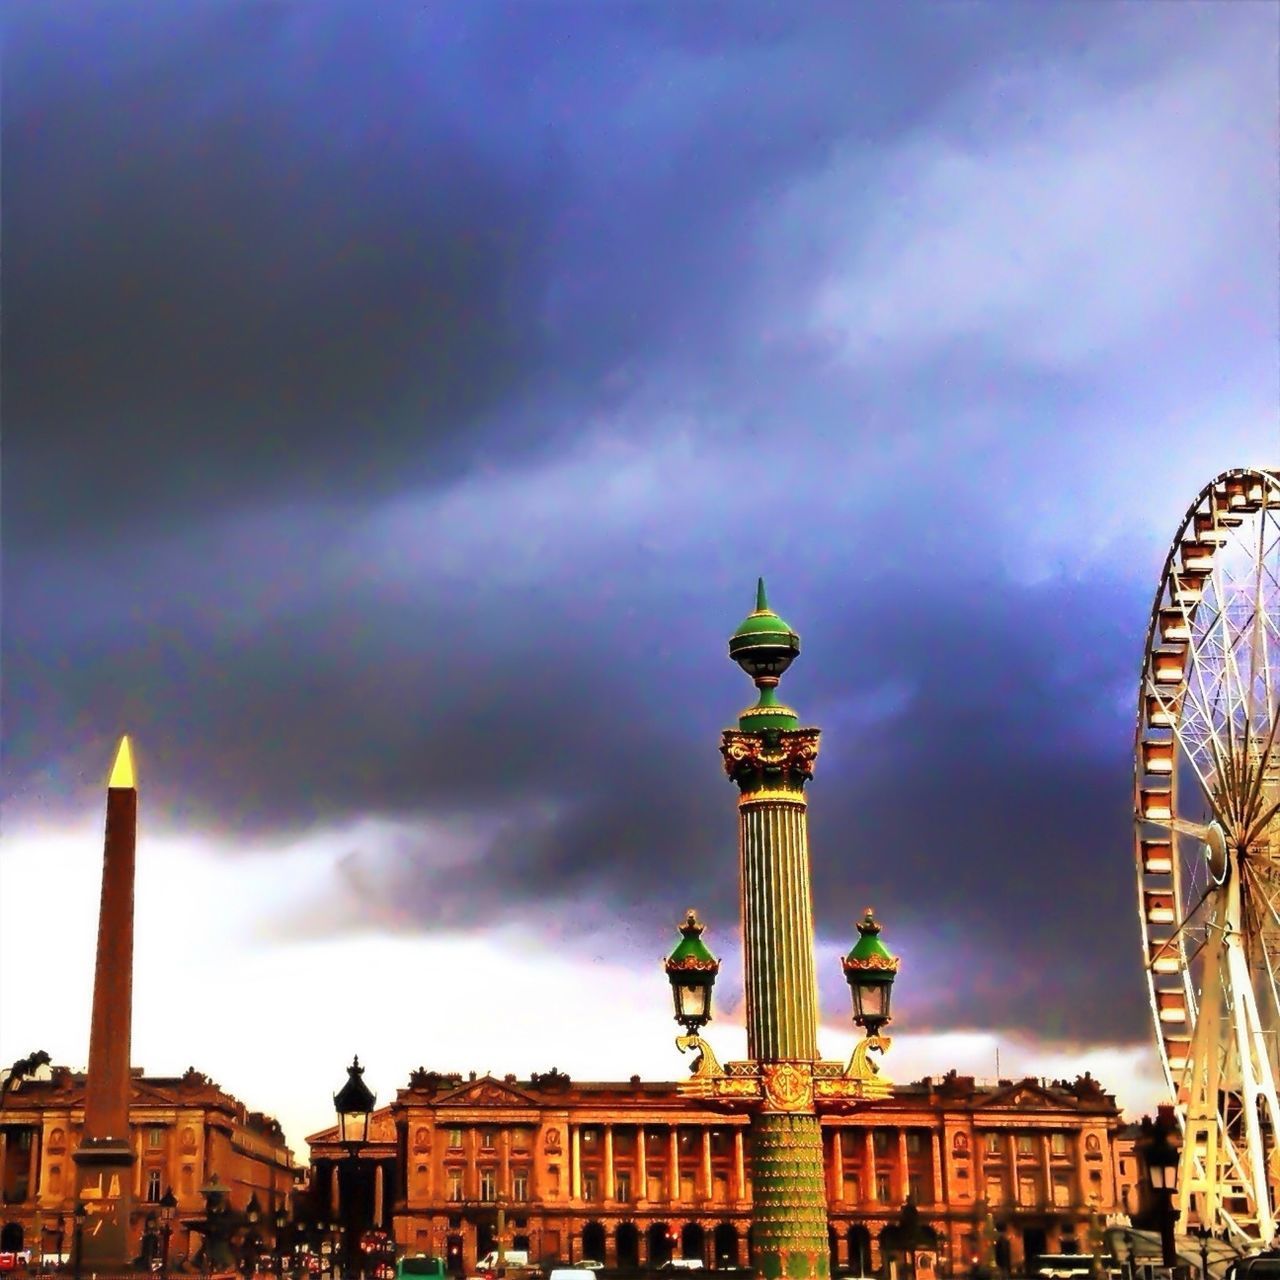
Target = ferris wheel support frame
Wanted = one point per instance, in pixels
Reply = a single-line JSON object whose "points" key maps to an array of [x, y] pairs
{"points": [[1223, 1073]]}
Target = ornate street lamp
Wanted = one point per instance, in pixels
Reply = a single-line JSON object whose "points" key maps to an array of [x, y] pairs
{"points": [[281, 1220], [1203, 1235], [354, 1104], [80, 1214], [869, 970], [150, 1238], [691, 970], [252, 1216], [1161, 1159], [168, 1206]]}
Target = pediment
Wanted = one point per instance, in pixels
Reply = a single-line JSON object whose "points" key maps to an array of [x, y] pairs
{"points": [[487, 1092], [1025, 1095], [382, 1128]]}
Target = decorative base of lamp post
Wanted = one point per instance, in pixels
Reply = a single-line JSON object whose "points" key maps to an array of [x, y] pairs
{"points": [[790, 1218], [860, 1080]]}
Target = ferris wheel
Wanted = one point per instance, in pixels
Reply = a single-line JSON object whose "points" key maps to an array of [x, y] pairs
{"points": [[1207, 839]]}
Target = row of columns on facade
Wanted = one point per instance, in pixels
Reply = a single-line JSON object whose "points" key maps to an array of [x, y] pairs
{"points": [[837, 1166]]}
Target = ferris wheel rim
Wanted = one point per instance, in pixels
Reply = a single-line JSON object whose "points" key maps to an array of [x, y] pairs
{"points": [[1224, 503]]}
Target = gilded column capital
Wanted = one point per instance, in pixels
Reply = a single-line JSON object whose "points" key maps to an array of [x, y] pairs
{"points": [[774, 760]]}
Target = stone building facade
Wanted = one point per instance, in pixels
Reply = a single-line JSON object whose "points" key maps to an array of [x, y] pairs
{"points": [[634, 1172], [184, 1130]]}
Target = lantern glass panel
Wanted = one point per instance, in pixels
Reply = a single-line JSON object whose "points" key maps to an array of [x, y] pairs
{"points": [[692, 999], [354, 1126], [871, 1000]]}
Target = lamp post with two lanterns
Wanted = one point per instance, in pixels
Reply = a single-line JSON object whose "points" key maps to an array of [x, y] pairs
{"points": [[784, 1081]]}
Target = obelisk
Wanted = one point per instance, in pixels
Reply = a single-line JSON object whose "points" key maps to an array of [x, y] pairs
{"points": [[771, 757], [104, 1161]]}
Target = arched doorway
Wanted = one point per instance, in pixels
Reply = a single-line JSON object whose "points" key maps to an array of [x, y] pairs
{"points": [[658, 1238], [833, 1247], [453, 1255], [520, 1242], [593, 1242], [693, 1241], [11, 1237], [626, 1240], [859, 1250], [726, 1245]]}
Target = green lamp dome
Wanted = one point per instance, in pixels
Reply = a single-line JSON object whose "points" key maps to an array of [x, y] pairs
{"points": [[764, 646]]}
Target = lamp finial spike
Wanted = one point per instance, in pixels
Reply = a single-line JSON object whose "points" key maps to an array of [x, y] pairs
{"points": [[762, 601]]}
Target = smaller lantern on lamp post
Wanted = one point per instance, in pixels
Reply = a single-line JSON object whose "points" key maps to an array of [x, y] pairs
{"points": [[870, 969], [691, 970], [1161, 1159], [168, 1207]]}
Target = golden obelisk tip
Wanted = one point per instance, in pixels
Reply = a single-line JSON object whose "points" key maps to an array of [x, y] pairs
{"points": [[122, 770]]}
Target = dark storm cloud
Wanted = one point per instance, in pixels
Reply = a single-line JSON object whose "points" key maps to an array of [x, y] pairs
{"points": [[255, 250], [973, 784]]}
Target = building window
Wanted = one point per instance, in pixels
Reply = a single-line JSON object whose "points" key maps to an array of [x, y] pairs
{"points": [[486, 1139], [880, 1142], [915, 1142], [24, 1139], [995, 1190], [455, 1185], [853, 1190], [520, 1138], [153, 1186], [684, 1140], [1024, 1144], [992, 1141], [590, 1187], [455, 1139], [520, 1184], [915, 1189], [1026, 1191], [1061, 1191], [155, 1136], [1058, 1144], [882, 1188], [488, 1185], [590, 1138], [1095, 1187], [623, 1189]]}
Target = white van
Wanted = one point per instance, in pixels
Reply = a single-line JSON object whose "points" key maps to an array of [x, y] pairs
{"points": [[511, 1258]]}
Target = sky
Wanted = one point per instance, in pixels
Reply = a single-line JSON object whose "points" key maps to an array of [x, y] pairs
{"points": [[399, 405]]}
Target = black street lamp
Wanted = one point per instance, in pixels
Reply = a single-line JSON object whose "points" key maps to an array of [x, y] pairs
{"points": [[1204, 1235], [1161, 1158], [80, 1214], [252, 1216], [354, 1104], [281, 1221], [150, 1238], [168, 1206]]}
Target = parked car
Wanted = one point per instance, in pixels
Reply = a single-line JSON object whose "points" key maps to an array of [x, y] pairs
{"points": [[683, 1264], [571, 1273]]}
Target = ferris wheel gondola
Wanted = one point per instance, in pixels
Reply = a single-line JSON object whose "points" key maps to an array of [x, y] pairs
{"points": [[1207, 842]]}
